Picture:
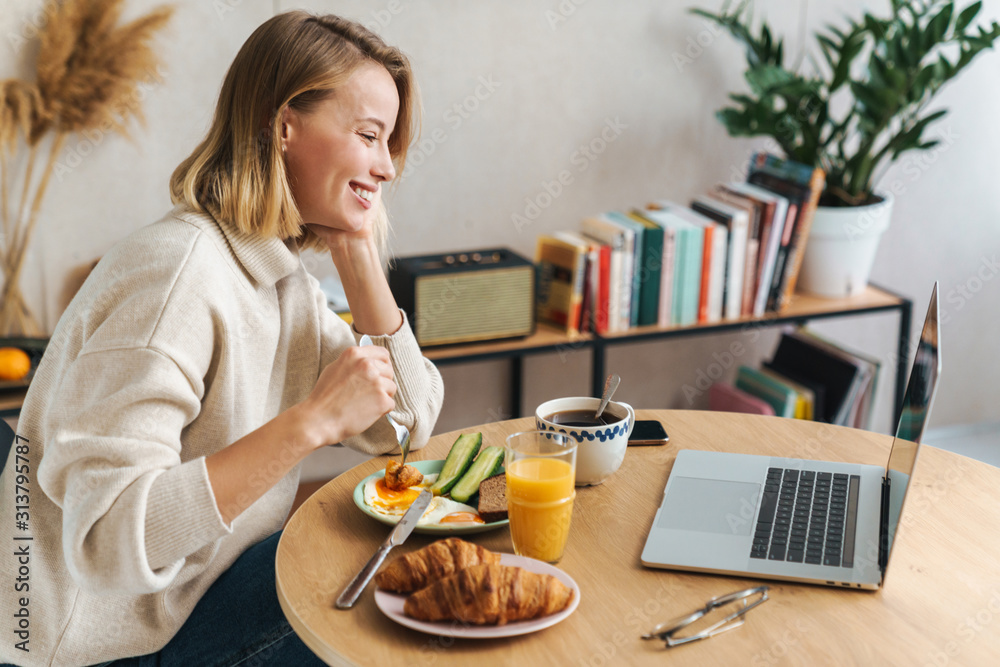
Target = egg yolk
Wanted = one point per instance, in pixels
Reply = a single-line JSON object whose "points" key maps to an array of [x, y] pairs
{"points": [[462, 517], [390, 498]]}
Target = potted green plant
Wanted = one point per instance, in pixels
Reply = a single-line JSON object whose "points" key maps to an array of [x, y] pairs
{"points": [[862, 102]]}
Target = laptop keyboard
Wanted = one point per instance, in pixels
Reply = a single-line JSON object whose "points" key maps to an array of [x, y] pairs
{"points": [[807, 517]]}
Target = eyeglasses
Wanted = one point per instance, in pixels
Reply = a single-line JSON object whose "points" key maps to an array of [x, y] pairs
{"points": [[732, 607]]}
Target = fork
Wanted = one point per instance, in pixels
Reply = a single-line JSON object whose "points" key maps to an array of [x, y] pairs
{"points": [[402, 433]]}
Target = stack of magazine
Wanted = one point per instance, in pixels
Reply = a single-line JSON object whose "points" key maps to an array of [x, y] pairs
{"points": [[733, 252], [808, 377]]}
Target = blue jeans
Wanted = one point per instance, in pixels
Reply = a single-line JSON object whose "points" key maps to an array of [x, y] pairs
{"points": [[237, 622]]}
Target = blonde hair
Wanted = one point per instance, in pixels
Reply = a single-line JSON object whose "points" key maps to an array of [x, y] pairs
{"points": [[295, 60]]}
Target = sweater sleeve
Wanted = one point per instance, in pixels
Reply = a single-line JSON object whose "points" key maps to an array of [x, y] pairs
{"points": [[132, 511], [419, 387]]}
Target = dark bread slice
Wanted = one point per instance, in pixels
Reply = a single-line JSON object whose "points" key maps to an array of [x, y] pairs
{"points": [[493, 498]]}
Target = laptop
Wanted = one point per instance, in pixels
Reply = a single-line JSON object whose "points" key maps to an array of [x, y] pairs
{"points": [[819, 522]]}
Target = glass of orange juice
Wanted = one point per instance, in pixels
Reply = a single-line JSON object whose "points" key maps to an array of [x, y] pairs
{"points": [[541, 475]]}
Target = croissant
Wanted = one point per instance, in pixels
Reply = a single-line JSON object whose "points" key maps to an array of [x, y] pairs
{"points": [[437, 560], [489, 595]]}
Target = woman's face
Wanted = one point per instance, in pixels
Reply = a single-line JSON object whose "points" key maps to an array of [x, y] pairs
{"points": [[338, 155]]}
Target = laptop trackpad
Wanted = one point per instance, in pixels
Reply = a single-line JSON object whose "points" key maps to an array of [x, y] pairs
{"points": [[710, 506]]}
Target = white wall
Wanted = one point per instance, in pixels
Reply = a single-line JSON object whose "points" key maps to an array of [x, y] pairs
{"points": [[536, 81]]}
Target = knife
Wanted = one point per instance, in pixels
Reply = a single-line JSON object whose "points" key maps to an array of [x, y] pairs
{"points": [[396, 537]]}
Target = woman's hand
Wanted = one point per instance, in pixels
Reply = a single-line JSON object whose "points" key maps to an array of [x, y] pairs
{"points": [[340, 240], [350, 395], [354, 253]]}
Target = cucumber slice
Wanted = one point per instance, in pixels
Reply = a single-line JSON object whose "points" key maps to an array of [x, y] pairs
{"points": [[488, 464], [459, 459]]}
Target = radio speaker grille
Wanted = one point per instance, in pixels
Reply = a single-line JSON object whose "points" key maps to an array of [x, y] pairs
{"points": [[480, 305]]}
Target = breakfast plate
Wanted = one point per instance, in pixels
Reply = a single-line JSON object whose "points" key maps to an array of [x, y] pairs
{"points": [[427, 468], [391, 604]]}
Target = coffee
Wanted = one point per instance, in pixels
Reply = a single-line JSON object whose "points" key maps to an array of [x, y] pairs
{"points": [[581, 418]]}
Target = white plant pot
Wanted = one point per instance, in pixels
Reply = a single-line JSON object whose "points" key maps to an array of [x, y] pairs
{"points": [[841, 248]]}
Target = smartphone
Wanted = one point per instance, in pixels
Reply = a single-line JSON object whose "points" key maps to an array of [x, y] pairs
{"points": [[648, 432]]}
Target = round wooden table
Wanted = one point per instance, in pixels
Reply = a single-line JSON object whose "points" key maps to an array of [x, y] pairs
{"points": [[940, 604]]}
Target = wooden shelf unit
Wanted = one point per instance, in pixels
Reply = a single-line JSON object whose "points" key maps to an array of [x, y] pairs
{"points": [[802, 309], [547, 339]]}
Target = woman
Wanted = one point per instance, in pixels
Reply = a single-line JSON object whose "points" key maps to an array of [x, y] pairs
{"points": [[199, 365]]}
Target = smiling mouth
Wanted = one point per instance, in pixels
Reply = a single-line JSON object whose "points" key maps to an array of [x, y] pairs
{"points": [[367, 195]]}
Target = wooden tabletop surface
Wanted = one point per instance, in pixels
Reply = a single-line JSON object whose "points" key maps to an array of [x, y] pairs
{"points": [[940, 604]]}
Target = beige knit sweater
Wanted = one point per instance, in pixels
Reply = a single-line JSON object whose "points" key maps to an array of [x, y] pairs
{"points": [[187, 336]]}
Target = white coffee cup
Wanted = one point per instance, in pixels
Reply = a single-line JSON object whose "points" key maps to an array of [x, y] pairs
{"points": [[602, 447]]}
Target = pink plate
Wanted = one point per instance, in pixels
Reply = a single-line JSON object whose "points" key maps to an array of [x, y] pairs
{"points": [[391, 604]]}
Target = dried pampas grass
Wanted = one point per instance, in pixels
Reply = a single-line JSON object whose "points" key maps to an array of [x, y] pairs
{"points": [[88, 73]]}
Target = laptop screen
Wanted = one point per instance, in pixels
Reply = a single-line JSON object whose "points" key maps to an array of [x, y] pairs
{"points": [[912, 419]]}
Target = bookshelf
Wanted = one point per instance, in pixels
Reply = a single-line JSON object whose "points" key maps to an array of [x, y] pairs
{"points": [[547, 339], [802, 309]]}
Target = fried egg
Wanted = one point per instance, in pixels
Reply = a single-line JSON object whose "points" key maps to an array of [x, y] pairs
{"points": [[442, 511]]}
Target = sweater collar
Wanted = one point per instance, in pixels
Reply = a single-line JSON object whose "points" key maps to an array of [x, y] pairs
{"points": [[267, 260]]}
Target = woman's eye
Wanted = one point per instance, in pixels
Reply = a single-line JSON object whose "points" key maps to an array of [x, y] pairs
{"points": [[368, 137]]}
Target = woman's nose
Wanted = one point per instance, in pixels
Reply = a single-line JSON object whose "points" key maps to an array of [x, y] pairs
{"points": [[383, 167]]}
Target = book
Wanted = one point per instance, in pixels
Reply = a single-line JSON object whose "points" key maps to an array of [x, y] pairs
{"points": [[716, 244], [613, 237], [560, 267], [796, 197], [714, 258], [668, 278], [863, 420], [814, 180], [671, 280], [664, 316], [805, 399], [757, 214], [591, 279], [736, 222], [779, 395], [772, 231], [603, 288], [650, 269], [859, 415], [817, 389], [723, 397], [841, 374], [687, 265], [631, 308]]}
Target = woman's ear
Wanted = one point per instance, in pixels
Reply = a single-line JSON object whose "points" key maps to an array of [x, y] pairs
{"points": [[284, 129], [289, 123]]}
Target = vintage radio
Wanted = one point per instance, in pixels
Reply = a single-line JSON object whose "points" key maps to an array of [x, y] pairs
{"points": [[466, 296]]}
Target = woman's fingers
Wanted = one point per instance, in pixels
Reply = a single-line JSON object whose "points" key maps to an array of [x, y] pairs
{"points": [[352, 392]]}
